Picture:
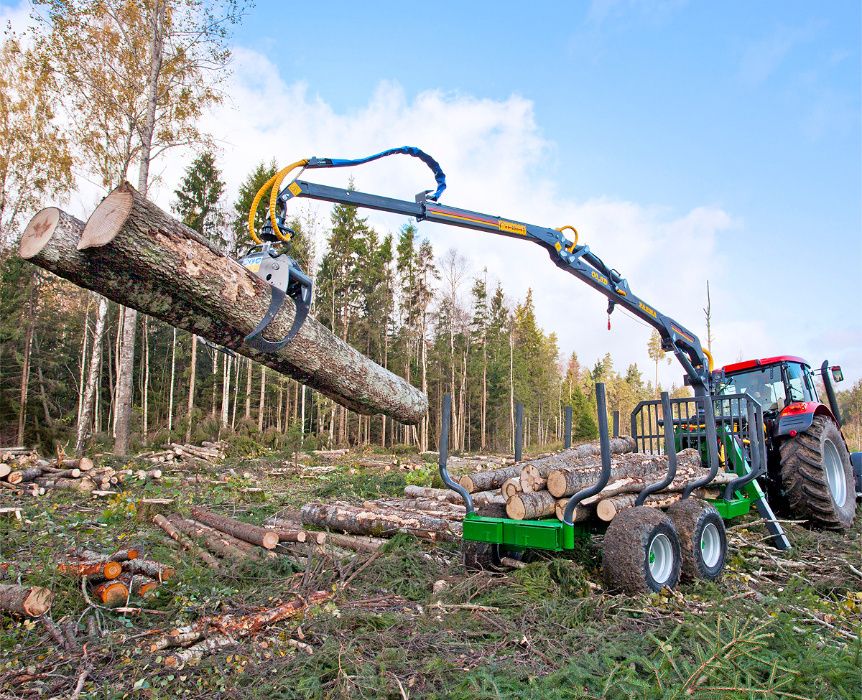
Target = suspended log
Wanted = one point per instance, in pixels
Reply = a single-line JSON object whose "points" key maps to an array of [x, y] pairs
{"points": [[246, 532], [184, 541], [534, 473], [378, 523], [180, 279], [565, 482], [27, 601]]}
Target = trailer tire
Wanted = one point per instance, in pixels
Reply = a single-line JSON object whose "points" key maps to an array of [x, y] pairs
{"points": [[641, 552], [702, 539], [817, 476]]}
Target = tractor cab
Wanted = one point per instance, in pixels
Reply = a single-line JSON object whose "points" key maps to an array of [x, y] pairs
{"points": [[775, 382]]}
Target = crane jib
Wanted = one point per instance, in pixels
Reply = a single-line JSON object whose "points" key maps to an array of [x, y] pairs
{"points": [[577, 260]]}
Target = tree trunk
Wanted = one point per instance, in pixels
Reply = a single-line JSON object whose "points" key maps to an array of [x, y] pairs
{"points": [[362, 521], [534, 473], [225, 391], [608, 508], [25, 364], [215, 541], [529, 506], [252, 534], [173, 381], [147, 567], [125, 383], [261, 404], [190, 406], [248, 381], [145, 388], [88, 405], [357, 543], [489, 480], [184, 282], [27, 601]]}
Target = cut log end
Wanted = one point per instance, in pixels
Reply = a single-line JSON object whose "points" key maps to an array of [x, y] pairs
{"points": [[515, 508], [112, 594], [556, 484], [38, 601], [108, 219], [38, 232]]}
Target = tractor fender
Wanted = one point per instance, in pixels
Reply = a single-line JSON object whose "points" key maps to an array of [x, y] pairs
{"points": [[799, 416]]}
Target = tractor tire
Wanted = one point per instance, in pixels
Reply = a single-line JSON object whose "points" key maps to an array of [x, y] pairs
{"points": [[641, 552], [480, 556], [817, 477], [702, 539]]}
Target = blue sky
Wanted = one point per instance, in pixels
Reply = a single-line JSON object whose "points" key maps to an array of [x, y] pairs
{"points": [[685, 140]]}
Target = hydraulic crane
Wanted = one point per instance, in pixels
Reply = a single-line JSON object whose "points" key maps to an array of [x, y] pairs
{"points": [[760, 418]]}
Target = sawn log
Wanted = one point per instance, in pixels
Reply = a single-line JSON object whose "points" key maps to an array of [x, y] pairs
{"points": [[134, 253]]}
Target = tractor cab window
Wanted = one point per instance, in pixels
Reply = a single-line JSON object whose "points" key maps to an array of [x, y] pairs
{"points": [[765, 385], [799, 383]]}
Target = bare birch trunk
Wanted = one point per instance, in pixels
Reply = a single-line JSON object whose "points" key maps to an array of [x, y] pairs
{"points": [[261, 404], [25, 364], [88, 405], [190, 406], [173, 377]]}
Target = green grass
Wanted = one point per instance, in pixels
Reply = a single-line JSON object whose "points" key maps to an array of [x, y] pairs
{"points": [[768, 629]]}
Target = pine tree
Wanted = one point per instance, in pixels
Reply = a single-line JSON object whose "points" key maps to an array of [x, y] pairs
{"points": [[198, 198], [245, 197]]}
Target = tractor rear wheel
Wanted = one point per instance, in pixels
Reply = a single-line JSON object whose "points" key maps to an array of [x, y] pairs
{"points": [[641, 552], [817, 476], [702, 539]]}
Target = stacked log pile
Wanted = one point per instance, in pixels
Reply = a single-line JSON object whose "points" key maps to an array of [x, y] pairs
{"points": [[205, 454], [25, 472], [113, 580]]}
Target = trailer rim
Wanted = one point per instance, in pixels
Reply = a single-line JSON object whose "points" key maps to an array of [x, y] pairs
{"points": [[710, 545], [660, 558]]}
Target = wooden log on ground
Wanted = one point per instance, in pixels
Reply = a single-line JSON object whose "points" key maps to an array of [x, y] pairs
{"points": [[5, 469], [253, 534], [111, 594], [147, 508], [184, 541], [248, 550], [84, 485], [147, 567], [102, 569], [15, 477], [182, 280], [447, 495], [83, 464], [138, 584], [26, 601], [534, 473], [361, 521], [213, 540], [565, 482], [357, 543]]}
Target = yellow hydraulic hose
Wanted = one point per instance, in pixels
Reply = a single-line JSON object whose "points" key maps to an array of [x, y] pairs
{"points": [[709, 358], [571, 248], [273, 183]]}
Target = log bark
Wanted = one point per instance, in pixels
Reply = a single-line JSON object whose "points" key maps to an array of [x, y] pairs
{"points": [[378, 523], [608, 508], [246, 532], [581, 514], [636, 484], [535, 472], [102, 569], [111, 594], [489, 480], [213, 540], [565, 482], [447, 495], [186, 543], [27, 601], [530, 506], [249, 551], [180, 279], [148, 567], [138, 584], [357, 543]]}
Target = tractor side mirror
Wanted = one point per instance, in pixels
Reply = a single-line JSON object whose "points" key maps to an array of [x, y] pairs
{"points": [[837, 374]]}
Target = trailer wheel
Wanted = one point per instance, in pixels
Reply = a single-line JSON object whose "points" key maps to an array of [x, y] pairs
{"points": [[702, 539], [817, 476], [641, 552]]}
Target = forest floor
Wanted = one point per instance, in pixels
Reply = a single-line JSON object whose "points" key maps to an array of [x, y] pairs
{"points": [[777, 625]]}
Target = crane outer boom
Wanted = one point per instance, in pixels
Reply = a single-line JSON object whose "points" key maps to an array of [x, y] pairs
{"points": [[577, 260]]}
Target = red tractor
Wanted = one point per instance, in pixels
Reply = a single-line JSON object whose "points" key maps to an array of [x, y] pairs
{"points": [[811, 473]]}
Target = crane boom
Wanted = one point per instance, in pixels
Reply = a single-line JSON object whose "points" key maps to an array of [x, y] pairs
{"points": [[574, 258]]}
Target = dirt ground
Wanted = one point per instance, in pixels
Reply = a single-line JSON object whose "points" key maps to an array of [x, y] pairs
{"points": [[410, 622]]}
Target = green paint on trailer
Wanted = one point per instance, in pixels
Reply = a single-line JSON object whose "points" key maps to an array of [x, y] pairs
{"points": [[549, 535]]}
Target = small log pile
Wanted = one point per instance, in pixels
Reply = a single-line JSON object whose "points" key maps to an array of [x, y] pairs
{"points": [[204, 455], [114, 579], [189, 644], [25, 601]]}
